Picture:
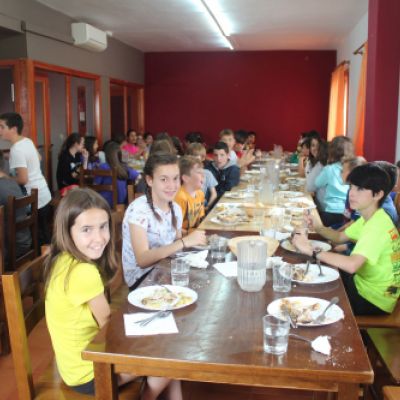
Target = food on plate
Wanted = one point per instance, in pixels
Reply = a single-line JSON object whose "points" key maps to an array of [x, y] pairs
{"points": [[228, 219], [163, 298], [298, 311], [299, 274]]}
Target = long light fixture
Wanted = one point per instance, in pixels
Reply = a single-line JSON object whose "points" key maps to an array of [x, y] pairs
{"points": [[212, 14]]}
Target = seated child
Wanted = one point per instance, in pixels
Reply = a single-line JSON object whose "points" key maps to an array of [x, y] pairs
{"points": [[82, 258], [151, 229], [225, 172], [372, 270], [209, 183], [124, 173], [9, 187], [190, 197]]}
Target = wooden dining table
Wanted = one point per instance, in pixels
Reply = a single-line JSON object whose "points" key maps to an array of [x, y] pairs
{"points": [[220, 340]]}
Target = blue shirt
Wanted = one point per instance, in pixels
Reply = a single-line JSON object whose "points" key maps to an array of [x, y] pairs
{"points": [[122, 185], [335, 190]]}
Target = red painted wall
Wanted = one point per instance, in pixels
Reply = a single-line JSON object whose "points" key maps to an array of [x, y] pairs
{"points": [[382, 95], [278, 94]]}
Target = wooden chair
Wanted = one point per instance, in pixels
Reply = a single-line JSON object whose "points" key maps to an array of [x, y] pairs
{"points": [[87, 177], [4, 343], [383, 346], [14, 225], [17, 285], [380, 321], [391, 393], [1, 239]]}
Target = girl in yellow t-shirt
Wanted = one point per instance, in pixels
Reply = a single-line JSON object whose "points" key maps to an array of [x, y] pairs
{"points": [[81, 258]]}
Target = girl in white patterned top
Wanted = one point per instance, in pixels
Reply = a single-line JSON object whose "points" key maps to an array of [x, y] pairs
{"points": [[152, 224]]}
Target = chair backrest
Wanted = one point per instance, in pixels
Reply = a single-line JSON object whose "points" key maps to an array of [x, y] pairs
{"points": [[87, 178], [2, 239], [14, 225], [27, 282]]}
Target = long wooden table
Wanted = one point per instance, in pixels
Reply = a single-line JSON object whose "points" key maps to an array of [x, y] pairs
{"points": [[220, 340]]}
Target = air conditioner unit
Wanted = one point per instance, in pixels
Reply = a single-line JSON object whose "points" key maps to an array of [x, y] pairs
{"points": [[88, 37]]}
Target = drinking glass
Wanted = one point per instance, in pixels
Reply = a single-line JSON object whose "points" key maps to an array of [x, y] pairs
{"points": [[259, 218], [276, 334], [277, 216], [180, 272], [218, 247], [282, 277]]}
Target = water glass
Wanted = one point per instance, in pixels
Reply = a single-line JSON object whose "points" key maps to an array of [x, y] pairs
{"points": [[180, 272], [259, 218], [276, 334], [282, 277], [218, 247]]}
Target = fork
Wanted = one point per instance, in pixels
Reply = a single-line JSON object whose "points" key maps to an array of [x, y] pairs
{"points": [[158, 314], [307, 267], [320, 268], [321, 317]]}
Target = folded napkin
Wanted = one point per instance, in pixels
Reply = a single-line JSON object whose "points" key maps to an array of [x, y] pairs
{"points": [[228, 269], [156, 327], [197, 260]]}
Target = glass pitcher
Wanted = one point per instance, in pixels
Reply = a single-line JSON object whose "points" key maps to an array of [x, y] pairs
{"points": [[252, 261], [267, 191]]}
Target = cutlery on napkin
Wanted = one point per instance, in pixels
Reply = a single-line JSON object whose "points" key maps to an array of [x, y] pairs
{"points": [[228, 269], [158, 326]]}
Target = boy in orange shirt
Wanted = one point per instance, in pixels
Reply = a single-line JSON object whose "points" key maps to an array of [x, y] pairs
{"points": [[190, 197]]}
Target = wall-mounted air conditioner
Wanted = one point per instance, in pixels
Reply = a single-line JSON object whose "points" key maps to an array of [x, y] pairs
{"points": [[88, 37]]}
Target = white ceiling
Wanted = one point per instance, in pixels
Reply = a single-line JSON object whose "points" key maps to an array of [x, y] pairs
{"points": [[182, 25]]}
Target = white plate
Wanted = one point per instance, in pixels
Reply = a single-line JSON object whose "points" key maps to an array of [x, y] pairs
{"points": [[289, 194], [240, 195], [313, 278], [135, 297], [239, 220], [334, 314], [314, 243], [253, 171]]}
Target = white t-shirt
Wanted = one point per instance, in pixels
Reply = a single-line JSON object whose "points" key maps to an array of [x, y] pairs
{"points": [[159, 233], [233, 157], [23, 154]]}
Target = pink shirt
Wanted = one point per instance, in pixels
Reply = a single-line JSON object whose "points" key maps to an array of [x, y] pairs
{"points": [[130, 148]]}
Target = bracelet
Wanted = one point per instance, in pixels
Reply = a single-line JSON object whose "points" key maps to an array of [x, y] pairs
{"points": [[183, 244]]}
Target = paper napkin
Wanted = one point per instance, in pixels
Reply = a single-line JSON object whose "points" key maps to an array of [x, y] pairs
{"points": [[228, 269], [158, 326], [197, 260]]}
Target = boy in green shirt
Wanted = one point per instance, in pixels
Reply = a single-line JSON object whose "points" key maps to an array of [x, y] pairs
{"points": [[372, 271]]}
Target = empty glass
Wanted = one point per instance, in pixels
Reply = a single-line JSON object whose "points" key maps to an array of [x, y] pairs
{"points": [[282, 277], [252, 255]]}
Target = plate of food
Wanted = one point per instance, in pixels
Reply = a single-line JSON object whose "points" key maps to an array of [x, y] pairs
{"points": [[228, 219], [312, 277], [238, 195], [290, 194], [316, 245], [304, 310], [164, 297], [253, 171]]}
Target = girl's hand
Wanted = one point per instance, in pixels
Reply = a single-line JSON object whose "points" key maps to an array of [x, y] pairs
{"points": [[312, 222], [301, 243], [196, 238], [85, 154]]}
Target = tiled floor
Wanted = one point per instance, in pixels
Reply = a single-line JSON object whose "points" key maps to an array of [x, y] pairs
{"points": [[42, 354]]}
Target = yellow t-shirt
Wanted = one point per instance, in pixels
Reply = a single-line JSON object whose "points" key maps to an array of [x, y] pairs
{"points": [[192, 207], [68, 316]]}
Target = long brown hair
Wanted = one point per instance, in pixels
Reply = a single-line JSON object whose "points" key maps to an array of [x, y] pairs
{"points": [[71, 206], [114, 160], [154, 161]]}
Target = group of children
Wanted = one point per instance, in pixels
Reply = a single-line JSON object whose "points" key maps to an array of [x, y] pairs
{"points": [[164, 220]]}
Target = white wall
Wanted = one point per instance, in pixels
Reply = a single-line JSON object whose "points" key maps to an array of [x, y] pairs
{"points": [[353, 40]]}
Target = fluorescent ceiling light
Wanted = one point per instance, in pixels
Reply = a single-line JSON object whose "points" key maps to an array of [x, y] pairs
{"points": [[224, 24], [212, 17]]}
